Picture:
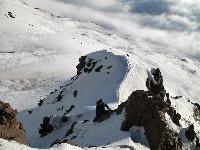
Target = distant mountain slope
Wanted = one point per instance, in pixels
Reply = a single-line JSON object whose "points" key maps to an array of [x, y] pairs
{"points": [[39, 51]]}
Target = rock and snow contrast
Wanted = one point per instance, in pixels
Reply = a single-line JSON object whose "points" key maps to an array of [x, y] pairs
{"points": [[59, 57]]}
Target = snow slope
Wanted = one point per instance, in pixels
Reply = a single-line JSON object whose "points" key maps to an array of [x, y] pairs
{"points": [[81, 92], [39, 51]]}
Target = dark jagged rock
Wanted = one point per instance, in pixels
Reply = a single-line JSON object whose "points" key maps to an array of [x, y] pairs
{"points": [[109, 67], [85, 121], [75, 77], [30, 112], [60, 109], [190, 133], [176, 97], [70, 109], [174, 115], [147, 109], [197, 105], [75, 93], [197, 144], [59, 98], [85, 66], [51, 93], [168, 99], [40, 102], [64, 119], [103, 111], [120, 107], [156, 89], [58, 141], [149, 112], [98, 69], [196, 114], [10, 129], [10, 14], [70, 131], [92, 67], [46, 128], [81, 64]]}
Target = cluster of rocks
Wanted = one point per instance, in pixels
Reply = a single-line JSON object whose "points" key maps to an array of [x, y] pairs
{"points": [[10, 14], [147, 109], [10, 129], [86, 65]]}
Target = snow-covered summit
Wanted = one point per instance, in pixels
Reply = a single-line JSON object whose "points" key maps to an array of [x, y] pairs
{"points": [[100, 78]]}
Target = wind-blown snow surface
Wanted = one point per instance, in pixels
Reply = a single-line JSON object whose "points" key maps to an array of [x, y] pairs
{"points": [[39, 49], [80, 94]]}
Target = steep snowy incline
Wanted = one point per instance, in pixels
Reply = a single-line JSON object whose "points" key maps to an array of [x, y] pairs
{"points": [[99, 77]]}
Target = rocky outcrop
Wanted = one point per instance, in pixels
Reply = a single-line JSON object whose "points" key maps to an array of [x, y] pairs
{"points": [[149, 112], [154, 84], [46, 127], [10, 129], [86, 65], [147, 109], [81, 64], [172, 112]]}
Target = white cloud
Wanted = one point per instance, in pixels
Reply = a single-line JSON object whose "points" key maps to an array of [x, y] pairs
{"points": [[172, 23]]}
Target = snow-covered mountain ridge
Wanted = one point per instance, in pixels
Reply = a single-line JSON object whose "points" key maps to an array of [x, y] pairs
{"points": [[39, 52]]}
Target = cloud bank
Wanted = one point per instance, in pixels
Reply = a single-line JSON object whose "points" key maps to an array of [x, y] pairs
{"points": [[171, 23]]}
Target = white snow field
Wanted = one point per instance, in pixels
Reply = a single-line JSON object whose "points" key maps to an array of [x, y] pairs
{"points": [[42, 41]]}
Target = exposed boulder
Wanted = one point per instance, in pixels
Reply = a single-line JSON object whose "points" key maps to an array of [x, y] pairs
{"points": [[103, 111], [149, 112], [40, 102], [10, 129], [46, 127]]}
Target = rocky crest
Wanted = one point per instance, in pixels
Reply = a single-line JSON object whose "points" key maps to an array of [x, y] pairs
{"points": [[147, 109], [10, 129]]}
